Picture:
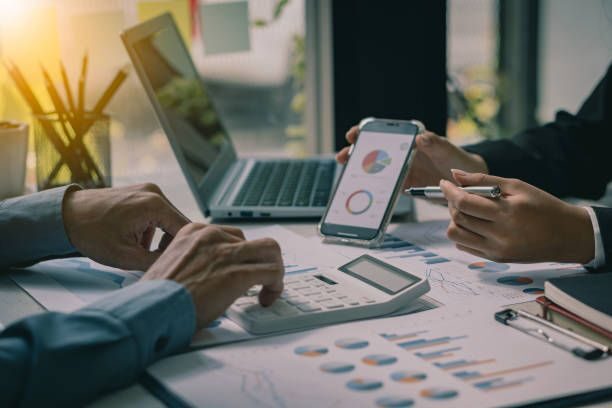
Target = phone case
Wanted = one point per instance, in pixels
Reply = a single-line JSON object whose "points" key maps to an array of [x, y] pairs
{"points": [[378, 239]]}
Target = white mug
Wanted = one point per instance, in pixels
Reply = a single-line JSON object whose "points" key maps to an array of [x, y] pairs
{"points": [[13, 151]]}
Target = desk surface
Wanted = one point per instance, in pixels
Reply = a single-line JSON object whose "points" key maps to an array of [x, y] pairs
{"points": [[15, 303]]}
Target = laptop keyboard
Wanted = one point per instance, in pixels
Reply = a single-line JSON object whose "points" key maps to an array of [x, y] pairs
{"points": [[287, 183]]}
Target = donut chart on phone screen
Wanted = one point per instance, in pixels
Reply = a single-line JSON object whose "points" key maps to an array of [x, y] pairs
{"points": [[359, 202]]}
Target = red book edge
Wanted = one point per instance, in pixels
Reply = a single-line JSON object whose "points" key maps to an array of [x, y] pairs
{"points": [[548, 305]]}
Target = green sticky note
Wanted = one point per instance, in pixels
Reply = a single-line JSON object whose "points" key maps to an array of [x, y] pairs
{"points": [[225, 27]]}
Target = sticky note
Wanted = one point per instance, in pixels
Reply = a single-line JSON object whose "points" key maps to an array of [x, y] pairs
{"points": [[225, 27]]}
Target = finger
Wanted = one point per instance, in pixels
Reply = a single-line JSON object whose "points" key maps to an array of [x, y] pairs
{"points": [[169, 219], [237, 232], [164, 242], [470, 250], [343, 155], [465, 237], [471, 204], [271, 276], [352, 134], [136, 258], [434, 146], [147, 237], [214, 234], [268, 274], [154, 188], [263, 249], [507, 186], [479, 226]]}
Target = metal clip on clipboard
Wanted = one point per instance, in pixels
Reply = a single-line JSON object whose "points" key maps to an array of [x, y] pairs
{"points": [[552, 334]]}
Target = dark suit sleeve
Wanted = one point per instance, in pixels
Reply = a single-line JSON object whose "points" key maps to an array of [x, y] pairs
{"points": [[57, 359], [568, 157]]}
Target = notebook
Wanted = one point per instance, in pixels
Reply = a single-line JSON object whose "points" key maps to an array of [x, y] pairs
{"points": [[588, 296]]}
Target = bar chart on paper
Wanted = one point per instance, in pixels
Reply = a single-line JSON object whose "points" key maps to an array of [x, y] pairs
{"points": [[456, 355]]}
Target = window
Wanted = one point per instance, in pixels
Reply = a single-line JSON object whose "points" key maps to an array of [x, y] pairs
{"points": [[472, 64]]}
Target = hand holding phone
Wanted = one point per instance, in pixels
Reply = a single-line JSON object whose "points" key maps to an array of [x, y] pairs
{"points": [[365, 195]]}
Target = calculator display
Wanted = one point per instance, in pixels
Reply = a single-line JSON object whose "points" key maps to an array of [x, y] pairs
{"points": [[381, 275]]}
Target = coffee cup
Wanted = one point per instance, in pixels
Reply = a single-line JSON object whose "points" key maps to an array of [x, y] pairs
{"points": [[13, 151]]}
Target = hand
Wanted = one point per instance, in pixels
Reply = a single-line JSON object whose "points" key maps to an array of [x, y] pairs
{"points": [[115, 226], [216, 266], [526, 224], [434, 157]]}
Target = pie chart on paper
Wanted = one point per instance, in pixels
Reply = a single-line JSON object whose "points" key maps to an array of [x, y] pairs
{"points": [[375, 161]]}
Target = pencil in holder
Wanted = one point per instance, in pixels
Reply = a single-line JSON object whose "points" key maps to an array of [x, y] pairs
{"points": [[85, 156]]}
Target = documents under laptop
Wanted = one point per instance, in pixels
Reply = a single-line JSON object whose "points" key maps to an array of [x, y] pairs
{"points": [[224, 185]]}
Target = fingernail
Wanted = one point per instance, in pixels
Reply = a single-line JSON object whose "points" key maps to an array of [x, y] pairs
{"points": [[458, 172], [443, 182], [426, 138]]}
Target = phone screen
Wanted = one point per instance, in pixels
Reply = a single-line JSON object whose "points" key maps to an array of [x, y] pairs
{"points": [[369, 180]]}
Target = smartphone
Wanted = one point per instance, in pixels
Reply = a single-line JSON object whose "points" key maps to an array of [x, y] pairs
{"points": [[365, 195]]}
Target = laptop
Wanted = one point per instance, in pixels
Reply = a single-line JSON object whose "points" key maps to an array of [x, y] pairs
{"points": [[224, 185]]}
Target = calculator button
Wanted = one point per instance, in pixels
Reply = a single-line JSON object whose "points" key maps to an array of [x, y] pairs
{"points": [[351, 302], [341, 296], [291, 282], [322, 299], [367, 300], [308, 307], [300, 287], [294, 300], [332, 304], [282, 309], [311, 292], [309, 279], [260, 313]]}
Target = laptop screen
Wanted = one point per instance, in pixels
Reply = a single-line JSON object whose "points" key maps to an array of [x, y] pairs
{"points": [[183, 100]]}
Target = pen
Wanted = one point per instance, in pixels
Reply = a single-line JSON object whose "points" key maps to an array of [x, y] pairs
{"points": [[563, 338], [436, 192], [67, 89], [110, 91]]}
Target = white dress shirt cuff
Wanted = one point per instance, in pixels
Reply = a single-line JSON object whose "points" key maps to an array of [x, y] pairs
{"points": [[600, 255]]}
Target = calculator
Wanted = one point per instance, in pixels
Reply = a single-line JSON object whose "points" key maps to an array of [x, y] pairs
{"points": [[363, 288]]}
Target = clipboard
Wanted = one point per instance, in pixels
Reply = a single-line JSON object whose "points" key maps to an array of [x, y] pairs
{"points": [[552, 334]]}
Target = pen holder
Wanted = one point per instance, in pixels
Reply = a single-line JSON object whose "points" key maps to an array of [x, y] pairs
{"points": [[71, 149]]}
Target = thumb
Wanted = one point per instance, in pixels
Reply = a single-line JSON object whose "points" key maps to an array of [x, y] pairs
{"points": [[433, 145], [480, 179]]}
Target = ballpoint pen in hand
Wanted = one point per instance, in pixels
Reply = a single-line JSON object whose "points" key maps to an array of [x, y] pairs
{"points": [[436, 192]]}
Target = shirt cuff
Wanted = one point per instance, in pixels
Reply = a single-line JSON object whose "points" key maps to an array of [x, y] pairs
{"points": [[159, 313], [33, 227], [600, 256]]}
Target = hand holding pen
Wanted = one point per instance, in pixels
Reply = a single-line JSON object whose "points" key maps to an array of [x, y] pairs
{"points": [[524, 224]]}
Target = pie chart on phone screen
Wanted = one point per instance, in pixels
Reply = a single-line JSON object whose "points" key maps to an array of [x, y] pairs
{"points": [[375, 161]]}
